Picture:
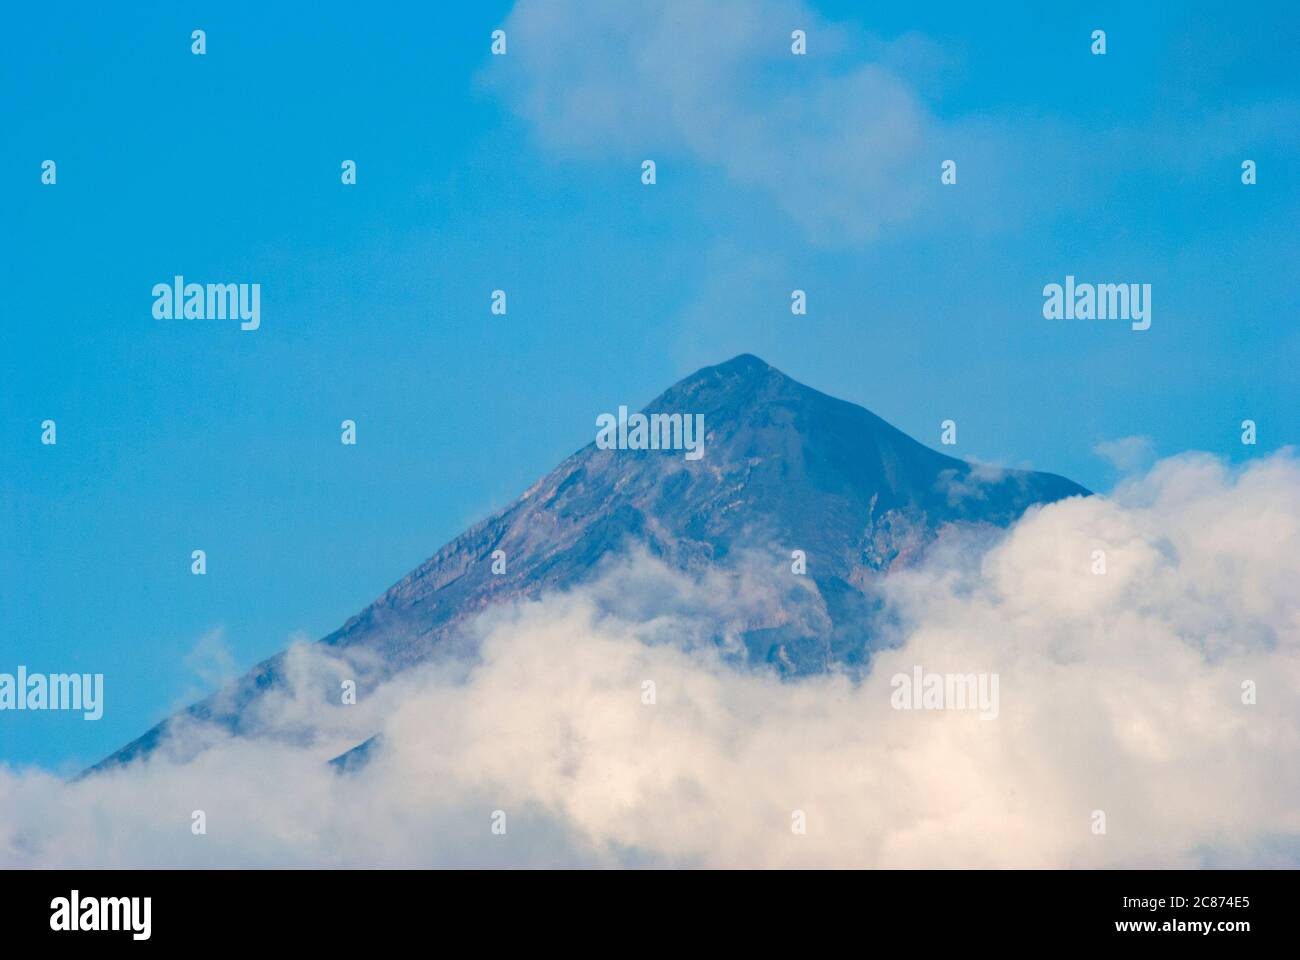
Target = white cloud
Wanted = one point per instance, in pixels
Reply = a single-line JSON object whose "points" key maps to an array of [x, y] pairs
{"points": [[845, 140], [1127, 454], [840, 147], [973, 484], [1119, 692]]}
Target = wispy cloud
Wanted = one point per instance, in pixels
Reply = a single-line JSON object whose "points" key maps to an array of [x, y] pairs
{"points": [[834, 143], [1127, 454], [846, 140]]}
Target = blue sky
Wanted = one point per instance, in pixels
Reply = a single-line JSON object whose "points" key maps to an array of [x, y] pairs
{"points": [[522, 173]]}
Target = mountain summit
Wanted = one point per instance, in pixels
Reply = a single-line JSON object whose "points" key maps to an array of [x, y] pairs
{"points": [[784, 468]]}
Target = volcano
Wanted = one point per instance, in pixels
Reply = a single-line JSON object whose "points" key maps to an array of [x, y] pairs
{"points": [[786, 471]]}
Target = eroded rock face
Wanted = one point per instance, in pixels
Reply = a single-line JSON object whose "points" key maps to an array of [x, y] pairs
{"points": [[783, 468]]}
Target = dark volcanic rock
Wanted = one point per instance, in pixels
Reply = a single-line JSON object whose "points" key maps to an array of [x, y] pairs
{"points": [[784, 467]]}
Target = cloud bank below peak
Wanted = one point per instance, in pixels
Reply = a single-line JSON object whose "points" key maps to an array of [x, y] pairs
{"points": [[1121, 692]]}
